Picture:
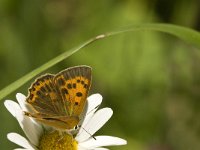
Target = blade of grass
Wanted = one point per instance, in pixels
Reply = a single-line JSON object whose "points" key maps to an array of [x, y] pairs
{"points": [[187, 34], [184, 33]]}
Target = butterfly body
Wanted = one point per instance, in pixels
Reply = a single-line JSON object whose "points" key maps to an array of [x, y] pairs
{"points": [[58, 100]]}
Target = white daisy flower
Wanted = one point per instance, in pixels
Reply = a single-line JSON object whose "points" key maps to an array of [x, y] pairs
{"points": [[40, 138]]}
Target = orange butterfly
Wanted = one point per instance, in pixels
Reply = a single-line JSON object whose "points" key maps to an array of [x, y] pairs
{"points": [[58, 100]]}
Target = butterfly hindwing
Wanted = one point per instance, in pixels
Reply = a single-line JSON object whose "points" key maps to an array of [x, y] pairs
{"points": [[44, 97]]}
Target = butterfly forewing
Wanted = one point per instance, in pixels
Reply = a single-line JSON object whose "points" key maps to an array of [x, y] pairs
{"points": [[73, 85]]}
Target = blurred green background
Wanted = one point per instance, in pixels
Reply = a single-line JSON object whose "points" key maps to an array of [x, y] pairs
{"points": [[151, 80]]}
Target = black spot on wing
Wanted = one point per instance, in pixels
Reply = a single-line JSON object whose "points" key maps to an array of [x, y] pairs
{"points": [[61, 82], [69, 86], [31, 96], [39, 93], [74, 85], [79, 94], [64, 91], [85, 86]]}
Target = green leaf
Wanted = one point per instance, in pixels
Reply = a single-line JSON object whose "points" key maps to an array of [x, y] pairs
{"points": [[189, 35]]}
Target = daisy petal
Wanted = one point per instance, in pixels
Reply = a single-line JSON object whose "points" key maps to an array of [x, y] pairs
{"points": [[101, 149], [94, 124], [22, 101], [31, 129], [20, 140], [92, 104], [103, 141], [12, 107], [81, 148]]}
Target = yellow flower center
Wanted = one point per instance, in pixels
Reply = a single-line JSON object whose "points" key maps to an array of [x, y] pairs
{"points": [[57, 141]]}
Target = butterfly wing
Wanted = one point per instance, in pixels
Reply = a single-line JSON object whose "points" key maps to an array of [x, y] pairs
{"points": [[58, 100], [44, 98], [73, 85]]}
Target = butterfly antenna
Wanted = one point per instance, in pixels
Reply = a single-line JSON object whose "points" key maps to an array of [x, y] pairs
{"points": [[89, 133], [84, 128], [78, 126]]}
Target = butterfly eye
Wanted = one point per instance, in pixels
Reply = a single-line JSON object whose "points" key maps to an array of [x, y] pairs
{"points": [[76, 127]]}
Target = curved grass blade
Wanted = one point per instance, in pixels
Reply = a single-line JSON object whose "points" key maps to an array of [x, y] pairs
{"points": [[184, 33]]}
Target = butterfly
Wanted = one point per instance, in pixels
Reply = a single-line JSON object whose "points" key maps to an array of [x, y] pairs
{"points": [[58, 100]]}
